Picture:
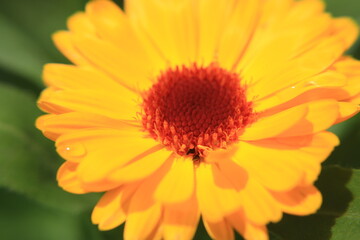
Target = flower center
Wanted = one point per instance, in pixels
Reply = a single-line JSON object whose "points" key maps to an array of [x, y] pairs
{"points": [[190, 109]]}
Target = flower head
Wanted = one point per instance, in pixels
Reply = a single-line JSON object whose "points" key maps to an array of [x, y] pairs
{"points": [[187, 108]]}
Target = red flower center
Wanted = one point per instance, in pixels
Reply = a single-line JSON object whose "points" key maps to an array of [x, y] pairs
{"points": [[193, 108]]}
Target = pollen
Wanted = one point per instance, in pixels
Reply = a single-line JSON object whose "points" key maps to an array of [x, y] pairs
{"points": [[191, 109]]}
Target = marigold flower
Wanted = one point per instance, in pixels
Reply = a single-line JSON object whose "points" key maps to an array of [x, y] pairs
{"points": [[187, 108]]}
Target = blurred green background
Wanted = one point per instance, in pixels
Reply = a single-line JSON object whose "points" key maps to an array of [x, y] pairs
{"points": [[32, 207]]}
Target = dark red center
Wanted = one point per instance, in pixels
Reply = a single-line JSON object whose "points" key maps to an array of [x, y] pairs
{"points": [[192, 108]]}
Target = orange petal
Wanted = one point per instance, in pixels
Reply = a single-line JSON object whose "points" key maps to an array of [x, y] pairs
{"points": [[68, 179], [140, 224], [299, 201], [216, 195], [248, 229], [223, 158], [112, 208], [221, 230], [144, 217], [180, 220]]}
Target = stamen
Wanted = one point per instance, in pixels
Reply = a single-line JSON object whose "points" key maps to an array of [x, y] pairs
{"points": [[190, 108]]}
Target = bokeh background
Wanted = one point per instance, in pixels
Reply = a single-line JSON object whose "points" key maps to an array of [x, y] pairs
{"points": [[33, 207]]}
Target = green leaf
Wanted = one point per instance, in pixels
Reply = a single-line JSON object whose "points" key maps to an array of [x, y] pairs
{"points": [[39, 19], [19, 53], [347, 226], [338, 218], [22, 218], [347, 154], [346, 8], [28, 162], [26, 28], [350, 8]]}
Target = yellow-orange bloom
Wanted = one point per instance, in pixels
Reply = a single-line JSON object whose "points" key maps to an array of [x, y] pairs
{"points": [[185, 108]]}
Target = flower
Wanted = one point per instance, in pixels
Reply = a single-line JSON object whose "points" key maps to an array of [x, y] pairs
{"points": [[187, 108]]}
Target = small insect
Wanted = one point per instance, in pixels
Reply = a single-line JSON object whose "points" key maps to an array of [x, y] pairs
{"points": [[191, 151], [195, 155]]}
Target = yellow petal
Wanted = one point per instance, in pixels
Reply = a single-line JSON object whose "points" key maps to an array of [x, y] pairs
{"points": [[259, 206], [169, 27], [321, 44], [298, 69], [112, 25], [273, 125], [101, 151], [53, 125], [346, 29], [73, 77], [313, 150], [48, 107], [355, 99], [328, 80], [219, 230], [321, 115], [272, 13], [282, 163], [300, 200], [63, 42], [350, 68], [178, 183], [347, 110], [278, 171], [238, 32], [303, 119], [118, 105], [212, 16], [133, 72], [110, 21], [142, 166], [255, 232], [216, 195], [81, 24]]}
